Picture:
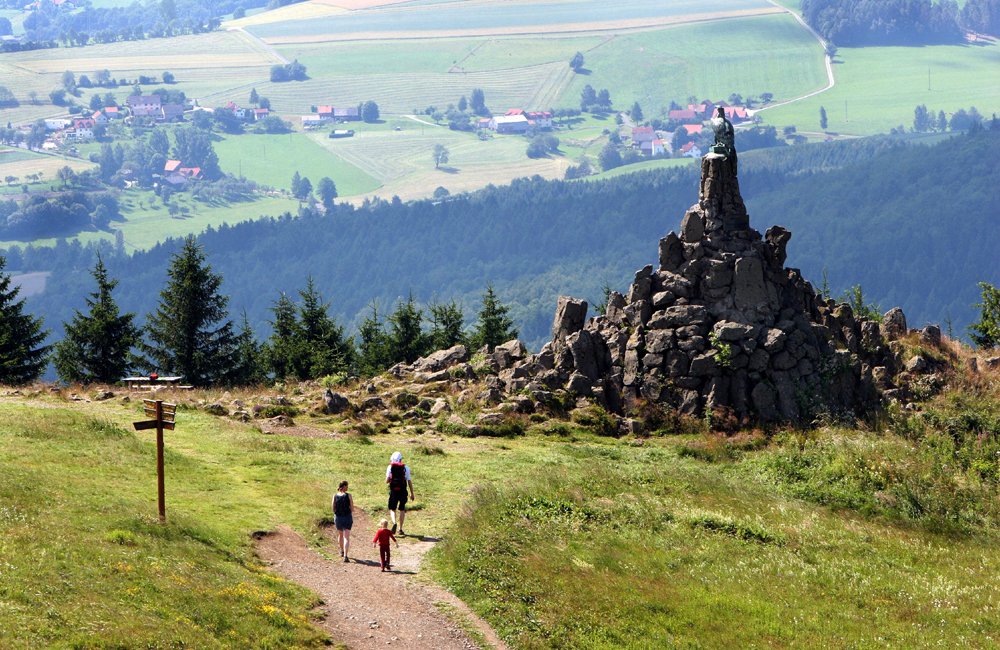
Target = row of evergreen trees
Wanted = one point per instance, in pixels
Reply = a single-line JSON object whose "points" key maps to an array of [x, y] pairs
{"points": [[191, 335]]}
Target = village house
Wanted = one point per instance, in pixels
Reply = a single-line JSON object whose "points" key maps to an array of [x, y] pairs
{"points": [[658, 146], [642, 135], [260, 113], [55, 124], [693, 129], [112, 112], [237, 110], [737, 113], [691, 150], [311, 121], [99, 117], [325, 113], [542, 119], [683, 114], [80, 132], [171, 112], [483, 123], [145, 105], [83, 122], [346, 114], [509, 124]]}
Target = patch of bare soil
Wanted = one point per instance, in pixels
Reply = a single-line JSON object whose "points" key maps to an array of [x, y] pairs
{"points": [[366, 608]]}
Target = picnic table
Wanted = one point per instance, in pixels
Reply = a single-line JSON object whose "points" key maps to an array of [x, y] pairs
{"points": [[149, 383]]}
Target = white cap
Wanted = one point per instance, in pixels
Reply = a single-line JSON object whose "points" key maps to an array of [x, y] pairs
{"points": [[396, 457]]}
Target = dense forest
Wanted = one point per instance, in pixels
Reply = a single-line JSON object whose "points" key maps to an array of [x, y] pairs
{"points": [[853, 23], [914, 225]]}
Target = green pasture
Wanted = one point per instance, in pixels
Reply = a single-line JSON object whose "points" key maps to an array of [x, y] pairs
{"points": [[273, 159], [558, 537], [524, 52], [774, 54], [642, 166], [361, 58], [878, 87]]}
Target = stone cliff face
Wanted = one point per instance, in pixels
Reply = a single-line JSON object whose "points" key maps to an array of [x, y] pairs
{"points": [[720, 323]]}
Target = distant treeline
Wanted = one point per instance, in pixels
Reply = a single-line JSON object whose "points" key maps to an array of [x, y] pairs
{"points": [[135, 21], [534, 239], [854, 23]]}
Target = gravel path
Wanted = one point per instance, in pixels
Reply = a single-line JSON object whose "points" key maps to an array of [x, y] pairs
{"points": [[366, 608]]}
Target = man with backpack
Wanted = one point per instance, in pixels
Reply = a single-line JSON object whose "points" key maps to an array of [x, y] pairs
{"points": [[397, 476]]}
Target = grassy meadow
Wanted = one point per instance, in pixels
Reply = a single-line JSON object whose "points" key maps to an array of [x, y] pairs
{"points": [[877, 88], [856, 534]]}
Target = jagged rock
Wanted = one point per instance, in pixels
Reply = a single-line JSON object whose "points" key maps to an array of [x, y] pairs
{"points": [[773, 339], [522, 404], [777, 238], [279, 421], [578, 384], [515, 349], [334, 403], [489, 419], [729, 331], [763, 401], [671, 252], [440, 406], [931, 335], [490, 395], [431, 377], [372, 404], [570, 317], [242, 416], [641, 287], [216, 409], [916, 365], [894, 324], [103, 395], [992, 363], [692, 229], [502, 358], [662, 299], [237, 404], [442, 359], [615, 308]]}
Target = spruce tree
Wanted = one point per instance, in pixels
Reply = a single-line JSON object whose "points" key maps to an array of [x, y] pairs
{"points": [[324, 350], [494, 326], [248, 369], [97, 347], [189, 334], [374, 353], [22, 357], [409, 343], [282, 347], [446, 325], [985, 332]]}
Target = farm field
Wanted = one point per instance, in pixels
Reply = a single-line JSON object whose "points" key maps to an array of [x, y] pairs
{"points": [[272, 159], [403, 160], [20, 163], [298, 11], [532, 17], [882, 85], [775, 55]]}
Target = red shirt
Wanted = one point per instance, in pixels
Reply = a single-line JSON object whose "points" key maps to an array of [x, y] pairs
{"points": [[383, 536]]}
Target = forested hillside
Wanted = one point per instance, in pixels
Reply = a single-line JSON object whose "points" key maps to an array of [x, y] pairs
{"points": [[914, 225]]}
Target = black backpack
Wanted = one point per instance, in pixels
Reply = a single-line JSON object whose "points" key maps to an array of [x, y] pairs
{"points": [[397, 476]]}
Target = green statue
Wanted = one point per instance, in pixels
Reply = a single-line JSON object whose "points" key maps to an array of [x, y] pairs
{"points": [[725, 137]]}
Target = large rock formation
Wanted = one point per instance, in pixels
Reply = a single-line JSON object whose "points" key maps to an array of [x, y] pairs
{"points": [[721, 323]]}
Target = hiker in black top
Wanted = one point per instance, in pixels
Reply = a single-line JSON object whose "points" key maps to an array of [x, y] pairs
{"points": [[397, 476], [343, 518]]}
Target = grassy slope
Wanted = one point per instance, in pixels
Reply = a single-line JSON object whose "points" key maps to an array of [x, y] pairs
{"points": [[774, 55], [272, 159], [686, 539]]}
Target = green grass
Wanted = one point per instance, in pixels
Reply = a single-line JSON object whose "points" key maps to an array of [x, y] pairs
{"points": [[775, 54], [642, 166], [370, 57], [273, 159], [882, 85]]}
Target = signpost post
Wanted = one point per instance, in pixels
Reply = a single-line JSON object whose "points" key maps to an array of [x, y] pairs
{"points": [[163, 418]]}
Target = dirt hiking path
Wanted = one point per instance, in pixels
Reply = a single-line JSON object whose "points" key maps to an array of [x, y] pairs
{"points": [[366, 608]]}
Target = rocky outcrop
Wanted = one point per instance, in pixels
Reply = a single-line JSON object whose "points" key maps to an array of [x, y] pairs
{"points": [[721, 323]]}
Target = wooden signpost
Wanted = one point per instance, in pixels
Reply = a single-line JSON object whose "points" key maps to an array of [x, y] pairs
{"points": [[163, 418]]}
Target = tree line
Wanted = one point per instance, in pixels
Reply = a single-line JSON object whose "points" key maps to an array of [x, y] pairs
{"points": [[190, 333], [855, 23]]}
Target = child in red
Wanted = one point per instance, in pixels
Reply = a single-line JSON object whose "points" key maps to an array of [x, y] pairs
{"points": [[382, 538]]}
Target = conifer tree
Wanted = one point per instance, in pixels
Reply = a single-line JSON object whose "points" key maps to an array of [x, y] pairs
{"points": [[409, 343], [98, 347], [324, 348], [446, 325], [494, 326], [374, 353], [22, 357], [985, 332], [189, 334], [249, 366], [280, 349]]}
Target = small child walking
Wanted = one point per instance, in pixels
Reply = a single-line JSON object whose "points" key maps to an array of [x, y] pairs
{"points": [[382, 538]]}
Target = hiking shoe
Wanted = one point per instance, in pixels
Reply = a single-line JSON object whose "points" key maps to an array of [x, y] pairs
{"points": [[341, 552], [345, 559], [393, 529], [401, 533]]}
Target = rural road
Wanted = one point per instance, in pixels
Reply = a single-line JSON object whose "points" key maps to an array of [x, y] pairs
{"points": [[829, 63], [417, 119]]}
